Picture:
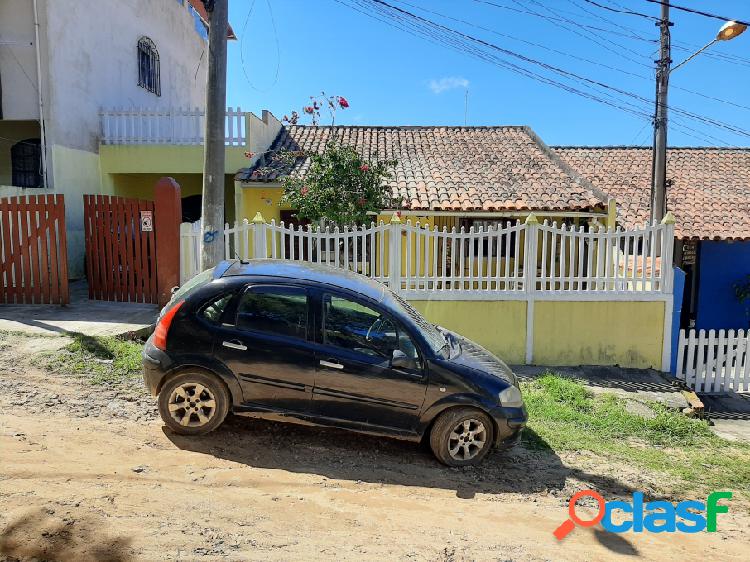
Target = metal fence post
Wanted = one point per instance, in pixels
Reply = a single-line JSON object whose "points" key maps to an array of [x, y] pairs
{"points": [[259, 236], [394, 254]]}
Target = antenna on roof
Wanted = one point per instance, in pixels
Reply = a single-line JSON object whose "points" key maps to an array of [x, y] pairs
{"points": [[466, 105]]}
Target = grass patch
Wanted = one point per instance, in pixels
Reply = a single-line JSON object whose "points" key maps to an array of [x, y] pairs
{"points": [[99, 359], [565, 416]]}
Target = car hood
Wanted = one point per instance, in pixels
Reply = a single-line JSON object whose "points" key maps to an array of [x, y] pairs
{"points": [[470, 354]]}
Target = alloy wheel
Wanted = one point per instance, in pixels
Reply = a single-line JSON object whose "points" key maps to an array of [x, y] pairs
{"points": [[192, 405], [467, 439]]}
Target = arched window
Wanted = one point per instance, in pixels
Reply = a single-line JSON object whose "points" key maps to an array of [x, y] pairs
{"points": [[26, 163], [148, 66]]}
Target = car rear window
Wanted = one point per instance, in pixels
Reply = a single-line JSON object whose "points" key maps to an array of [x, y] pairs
{"points": [[190, 287]]}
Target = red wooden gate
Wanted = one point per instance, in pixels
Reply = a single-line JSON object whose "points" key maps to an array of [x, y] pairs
{"points": [[33, 249], [120, 255]]}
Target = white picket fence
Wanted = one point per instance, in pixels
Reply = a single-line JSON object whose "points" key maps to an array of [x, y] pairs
{"points": [[714, 361], [182, 126], [481, 263]]}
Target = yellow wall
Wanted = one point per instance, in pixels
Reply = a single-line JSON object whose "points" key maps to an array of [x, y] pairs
{"points": [[75, 173], [500, 326], [141, 186], [629, 334], [622, 333], [264, 199], [164, 159]]}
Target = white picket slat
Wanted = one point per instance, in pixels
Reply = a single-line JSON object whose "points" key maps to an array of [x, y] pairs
{"points": [[716, 361]]}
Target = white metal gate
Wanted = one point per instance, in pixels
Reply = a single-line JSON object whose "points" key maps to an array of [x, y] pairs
{"points": [[714, 361]]}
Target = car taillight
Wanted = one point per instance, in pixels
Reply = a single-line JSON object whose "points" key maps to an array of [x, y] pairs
{"points": [[162, 327]]}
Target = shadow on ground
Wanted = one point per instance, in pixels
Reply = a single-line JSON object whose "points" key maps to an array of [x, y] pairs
{"points": [[529, 468], [37, 535]]}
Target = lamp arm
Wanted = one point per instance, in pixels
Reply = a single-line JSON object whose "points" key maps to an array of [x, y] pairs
{"points": [[695, 54]]}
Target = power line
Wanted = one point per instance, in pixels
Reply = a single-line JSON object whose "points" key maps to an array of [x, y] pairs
{"points": [[604, 42], [525, 41], [455, 43], [697, 12], [629, 12], [603, 38], [570, 55], [442, 35], [571, 75], [278, 49]]}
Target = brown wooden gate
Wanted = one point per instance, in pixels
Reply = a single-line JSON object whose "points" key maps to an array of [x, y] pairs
{"points": [[33, 249], [120, 254]]}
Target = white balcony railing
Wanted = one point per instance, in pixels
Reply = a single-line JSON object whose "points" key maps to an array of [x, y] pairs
{"points": [[182, 126]]}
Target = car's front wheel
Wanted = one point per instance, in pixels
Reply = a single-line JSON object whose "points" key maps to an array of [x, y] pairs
{"points": [[462, 436], [193, 403]]}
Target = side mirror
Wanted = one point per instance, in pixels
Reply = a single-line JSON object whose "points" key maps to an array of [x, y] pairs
{"points": [[401, 361], [174, 290]]}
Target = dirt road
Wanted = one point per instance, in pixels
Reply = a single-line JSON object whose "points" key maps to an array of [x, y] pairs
{"points": [[90, 473]]}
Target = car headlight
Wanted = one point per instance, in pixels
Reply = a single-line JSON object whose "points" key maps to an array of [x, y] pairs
{"points": [[511, 397]]}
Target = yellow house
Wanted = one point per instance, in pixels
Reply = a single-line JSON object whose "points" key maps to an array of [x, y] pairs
{"points": [[444, 176], [472, 178]]}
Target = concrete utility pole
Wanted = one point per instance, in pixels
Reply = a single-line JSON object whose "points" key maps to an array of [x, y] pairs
{"points": [[212, 212], [659, 179]]}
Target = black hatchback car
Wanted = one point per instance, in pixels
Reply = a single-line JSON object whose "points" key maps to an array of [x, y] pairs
{"points": [[279, 338]]}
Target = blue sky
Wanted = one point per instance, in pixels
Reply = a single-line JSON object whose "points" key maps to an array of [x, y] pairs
{"points": [[392, 77]]}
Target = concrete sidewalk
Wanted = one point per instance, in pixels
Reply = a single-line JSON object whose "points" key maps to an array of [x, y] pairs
{"points": [[729, 415], [90, 317], [642, 385]]}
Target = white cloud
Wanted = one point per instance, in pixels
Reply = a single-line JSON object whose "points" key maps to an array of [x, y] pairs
{"points": [[448, 83]]}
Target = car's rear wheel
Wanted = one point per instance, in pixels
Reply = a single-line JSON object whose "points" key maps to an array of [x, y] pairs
{"points": [[193, 403], [462, 436]]}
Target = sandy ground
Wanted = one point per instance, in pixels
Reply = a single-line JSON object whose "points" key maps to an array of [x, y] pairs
{"points": [[91, 474]]}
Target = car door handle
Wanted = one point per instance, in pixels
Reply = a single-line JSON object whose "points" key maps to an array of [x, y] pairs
{"points": [[234, 344], [331, 364]]}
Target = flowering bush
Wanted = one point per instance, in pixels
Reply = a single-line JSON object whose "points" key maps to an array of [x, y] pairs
{"points": [[340, 188], [317, 103]]}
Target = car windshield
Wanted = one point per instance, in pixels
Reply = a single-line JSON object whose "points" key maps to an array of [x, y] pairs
{"points": [[435, 339]]}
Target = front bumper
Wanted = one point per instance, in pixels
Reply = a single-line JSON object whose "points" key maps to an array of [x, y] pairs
{"points": [[509, 423]]}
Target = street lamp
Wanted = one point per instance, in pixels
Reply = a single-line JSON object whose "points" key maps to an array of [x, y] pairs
{"points": [[728, 31]]}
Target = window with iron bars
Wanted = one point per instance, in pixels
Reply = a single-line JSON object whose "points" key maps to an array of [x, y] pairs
{"points": [[26, 163], [148, 66]]}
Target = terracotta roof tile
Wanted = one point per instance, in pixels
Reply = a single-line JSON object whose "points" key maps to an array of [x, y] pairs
{"points": [[454, 168], [709, 192]]}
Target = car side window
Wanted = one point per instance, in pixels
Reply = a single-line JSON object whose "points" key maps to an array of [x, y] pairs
{"points": [[352, 325], [274, 310], [214, 308]]}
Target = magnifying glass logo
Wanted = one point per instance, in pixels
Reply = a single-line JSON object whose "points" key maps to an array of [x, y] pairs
{"points": [[569, 524]]}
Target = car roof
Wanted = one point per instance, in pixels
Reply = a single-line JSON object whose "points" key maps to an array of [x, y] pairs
{"points": [[306, 271]]}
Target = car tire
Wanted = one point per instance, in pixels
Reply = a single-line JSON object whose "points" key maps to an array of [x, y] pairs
{"points": [[193, 403], [462, 436]]}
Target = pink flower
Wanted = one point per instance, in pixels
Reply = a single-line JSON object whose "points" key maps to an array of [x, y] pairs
{"points": [[309, 109], [304, 190], [249, 154], [343, 104], [364, 168], [361, 201]]}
